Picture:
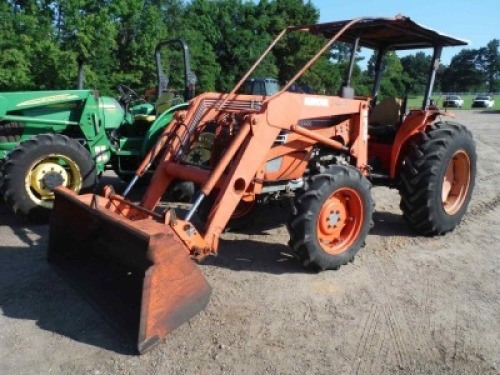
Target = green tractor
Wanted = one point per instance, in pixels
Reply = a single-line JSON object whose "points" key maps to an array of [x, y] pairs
{"points": [[51, 138]]}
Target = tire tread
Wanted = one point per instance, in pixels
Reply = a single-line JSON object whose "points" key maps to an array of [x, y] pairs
{"points": [[420, 173]]}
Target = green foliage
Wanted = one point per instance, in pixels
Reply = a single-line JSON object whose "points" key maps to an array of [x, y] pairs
{"points": [[19, 30], [463, 74], [474, 70], [416, 68], [395, 81], [489, 62], [14, 70], [41, 41]]}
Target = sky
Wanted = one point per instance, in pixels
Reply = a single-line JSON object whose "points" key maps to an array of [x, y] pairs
{"points": [[477, 21]]}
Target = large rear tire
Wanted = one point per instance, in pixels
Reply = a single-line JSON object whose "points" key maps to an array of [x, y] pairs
{"points": [[331, 218], [437, 178], [35, 167]]}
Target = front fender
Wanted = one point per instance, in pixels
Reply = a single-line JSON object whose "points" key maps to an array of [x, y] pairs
{"points": [[158, 125]]}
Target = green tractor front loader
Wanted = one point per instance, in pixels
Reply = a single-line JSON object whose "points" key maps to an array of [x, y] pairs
{"points": [[69, 137]]}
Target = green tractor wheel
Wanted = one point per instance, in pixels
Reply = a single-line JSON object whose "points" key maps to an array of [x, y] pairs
{"points": [[34, 168]]}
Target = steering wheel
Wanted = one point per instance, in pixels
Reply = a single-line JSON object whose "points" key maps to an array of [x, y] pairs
{"points": [[126, 95]]}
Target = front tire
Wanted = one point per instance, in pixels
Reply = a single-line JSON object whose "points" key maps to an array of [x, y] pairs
{"points": [[437, 178], [35, 167], [331, 218]]}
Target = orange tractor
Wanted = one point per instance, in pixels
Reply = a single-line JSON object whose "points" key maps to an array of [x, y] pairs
{"points": [[137, 259]]}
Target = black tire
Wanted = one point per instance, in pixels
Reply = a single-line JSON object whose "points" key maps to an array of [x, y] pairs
{"points": [[69, 162], [423, 173], [11, 131], [309, 205], [180, 191]]}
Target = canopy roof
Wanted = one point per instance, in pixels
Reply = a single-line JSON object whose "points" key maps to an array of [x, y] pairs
{"points": [[399, 33]]}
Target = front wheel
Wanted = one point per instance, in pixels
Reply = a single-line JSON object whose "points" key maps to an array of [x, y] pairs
{"points": [[331, 218], [35, 167], [437, 178]]}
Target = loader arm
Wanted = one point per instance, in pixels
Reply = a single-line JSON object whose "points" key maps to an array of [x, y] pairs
{"points": [[252, 146]]}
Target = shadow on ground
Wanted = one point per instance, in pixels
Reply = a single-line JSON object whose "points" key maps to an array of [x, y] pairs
{"points": [[255, 256], [276, 258], [31, 289], [388, 224]]}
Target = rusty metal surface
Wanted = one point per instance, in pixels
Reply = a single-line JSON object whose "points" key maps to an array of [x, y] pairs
{"points": [[139, 274]]}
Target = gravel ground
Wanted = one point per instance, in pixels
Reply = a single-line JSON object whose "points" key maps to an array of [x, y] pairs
{"points": [[406, 305]]}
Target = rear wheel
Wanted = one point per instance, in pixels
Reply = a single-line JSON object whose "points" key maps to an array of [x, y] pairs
{"points": [[34, 168], [437, 178], [331, 218]]}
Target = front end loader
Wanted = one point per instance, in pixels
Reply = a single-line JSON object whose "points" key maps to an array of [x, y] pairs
{"points": [[315, 147]]}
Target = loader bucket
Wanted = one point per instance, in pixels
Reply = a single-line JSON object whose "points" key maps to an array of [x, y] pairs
{"points": [[139, 272]]}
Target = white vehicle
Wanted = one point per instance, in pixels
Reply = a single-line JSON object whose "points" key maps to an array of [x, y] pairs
{"points": [[483, 101], [453, 101]]}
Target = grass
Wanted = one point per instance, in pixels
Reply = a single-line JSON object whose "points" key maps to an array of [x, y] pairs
{"points": [[416, 102]]}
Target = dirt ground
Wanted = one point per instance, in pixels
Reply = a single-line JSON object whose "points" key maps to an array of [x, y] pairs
{"points": [[407, 304]]}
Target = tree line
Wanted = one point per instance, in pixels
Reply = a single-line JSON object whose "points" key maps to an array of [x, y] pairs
{"points": [[41, 41]]}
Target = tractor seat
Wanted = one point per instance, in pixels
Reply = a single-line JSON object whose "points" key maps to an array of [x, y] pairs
{"points": [[387, 130], [386, 116], [164, 102], [145, 118], [387, 112]]}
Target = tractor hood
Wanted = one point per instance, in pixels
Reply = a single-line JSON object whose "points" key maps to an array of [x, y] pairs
{"points": [[113, 112]]}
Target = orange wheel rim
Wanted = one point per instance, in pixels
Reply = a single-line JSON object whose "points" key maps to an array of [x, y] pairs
{"points": [[340, 221], [456, 182]]}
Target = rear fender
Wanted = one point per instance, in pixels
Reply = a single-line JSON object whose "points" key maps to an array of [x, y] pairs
{"points": [[415, 122], [157, 127]]}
